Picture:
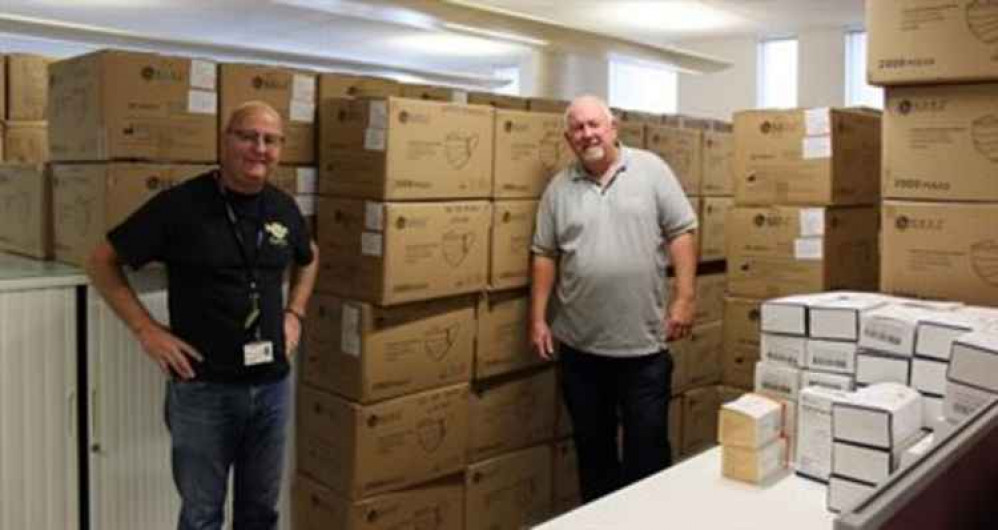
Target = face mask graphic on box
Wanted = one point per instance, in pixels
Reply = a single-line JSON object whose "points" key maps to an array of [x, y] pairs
{"points": [[984, 259], [550, 150], [982, 19], [984, 132], [439, 342], [431, 433], [459, 148], [457, 246]]}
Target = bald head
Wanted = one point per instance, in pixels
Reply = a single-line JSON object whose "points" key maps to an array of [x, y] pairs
{"points": [[254, 109]]}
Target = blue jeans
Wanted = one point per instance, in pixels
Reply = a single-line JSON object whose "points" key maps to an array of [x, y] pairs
{"points": [[215, 427], [603, 392]]}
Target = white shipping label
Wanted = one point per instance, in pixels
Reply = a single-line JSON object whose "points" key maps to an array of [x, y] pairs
{"points": [[204, 74], [350, 330], [202, 102], [371, 244], [303, 88], [374, 216], [814, 147], [817, 122], [308, 180], [302, 111], [459, 96], [809, 248], [378, 115], [812, 222], [375, 139]]}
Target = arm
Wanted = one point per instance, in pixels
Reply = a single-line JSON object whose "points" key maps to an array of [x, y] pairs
{"points": [[165, 349], [682, 298], [542, 276], [302, 283]]}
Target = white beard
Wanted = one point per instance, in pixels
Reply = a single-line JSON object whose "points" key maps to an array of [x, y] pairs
{"points": [[593, 154]]}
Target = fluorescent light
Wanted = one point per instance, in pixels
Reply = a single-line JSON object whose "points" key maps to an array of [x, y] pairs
{"points": [[452, 45], [366, 11], [511, 37], [672, 16]]}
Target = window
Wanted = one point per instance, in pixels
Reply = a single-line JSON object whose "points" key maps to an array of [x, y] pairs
{"points": [[512, 74], [642, 86], [857, 91], [777, 74]]}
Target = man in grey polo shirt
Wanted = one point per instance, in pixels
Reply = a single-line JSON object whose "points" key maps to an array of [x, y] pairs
{"points": [[607, 227]]}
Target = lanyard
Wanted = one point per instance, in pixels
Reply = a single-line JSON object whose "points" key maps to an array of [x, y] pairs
{"points": [[252, 322]]}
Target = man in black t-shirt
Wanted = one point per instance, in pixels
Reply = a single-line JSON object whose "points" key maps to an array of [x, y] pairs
{"points": [[226, 238]]}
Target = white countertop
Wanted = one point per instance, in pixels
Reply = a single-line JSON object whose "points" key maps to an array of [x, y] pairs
{"points": [[18, 273], [694, 495]]}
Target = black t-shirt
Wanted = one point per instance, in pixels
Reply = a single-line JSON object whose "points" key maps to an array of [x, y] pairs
{"points": [[187, 228]]}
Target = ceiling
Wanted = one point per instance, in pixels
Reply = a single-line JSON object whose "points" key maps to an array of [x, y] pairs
{"points": [[382, 32]]}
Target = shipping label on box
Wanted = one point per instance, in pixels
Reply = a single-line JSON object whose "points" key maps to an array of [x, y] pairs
{"points": [[919, 42], [530, 148], [816, 156], [681, 149], [368, 353], [511, 414], [26, 142], [391, 253], [301, 180], [405, 149], [710, 298], [713, 228], [510, 491], [938, 143], [26, 210], [503, 344], [113, 105], [292, 93], [361, 450], [741, 341], [940, 250], [511, 234], [718, 154]]}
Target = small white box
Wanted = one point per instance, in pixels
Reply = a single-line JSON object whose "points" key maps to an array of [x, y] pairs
{"points": [[917, 450], [928, 376], [974, 361], [813, 457], [786, 315], [831, 355], [844, 493], [932, 411], [874, 368], [891, 328], [777, 380], [838, 317], [962, 401], [935, 334], [783, 349], [881, 416], [750, 421], [840, 382], [865, 464]]}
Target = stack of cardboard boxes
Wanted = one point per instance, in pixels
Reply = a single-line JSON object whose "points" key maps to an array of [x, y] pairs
{"points": [[25, 205], [939, 65]]}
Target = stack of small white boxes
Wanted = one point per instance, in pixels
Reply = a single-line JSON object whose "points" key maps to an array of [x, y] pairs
{"points": [[920, 367]]}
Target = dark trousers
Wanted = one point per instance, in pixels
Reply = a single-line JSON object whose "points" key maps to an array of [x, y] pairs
{"points": [[603, 392]]}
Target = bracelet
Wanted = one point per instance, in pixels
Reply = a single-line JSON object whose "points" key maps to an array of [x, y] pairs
{"points": [[299, 316]]}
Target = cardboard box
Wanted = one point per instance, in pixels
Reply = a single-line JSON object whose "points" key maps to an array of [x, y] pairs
{"points": [[717, 177], [817, 156], [26, 210], [563, 422], [831, 356], [509, 244], [115, 105], [636, 116], [27, 87], [700, 416], [26, 142], [675, 426], [434, 93], [403, 149], [813, 458], [89, 200], [631, 134], [804, 233], [336, 85], [292, 93], [391, 253], [439, 505], [751, 421], [530, 148], [503, 344], [511, 413], [699, 357], [938, 143], [551, 106], [913, 41], [729, 393], [565, 484], [510, 491], [787, 350], [368, 353], [3, 91], [362, 450], [940, 250], [741, 341], [710, 298], [682, 150], [754, 466], [880, 416], [713, 228], [498, 101], [294, 181]]}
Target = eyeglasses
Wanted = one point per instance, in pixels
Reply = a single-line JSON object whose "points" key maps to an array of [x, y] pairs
{"points": [[270, 140]]}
